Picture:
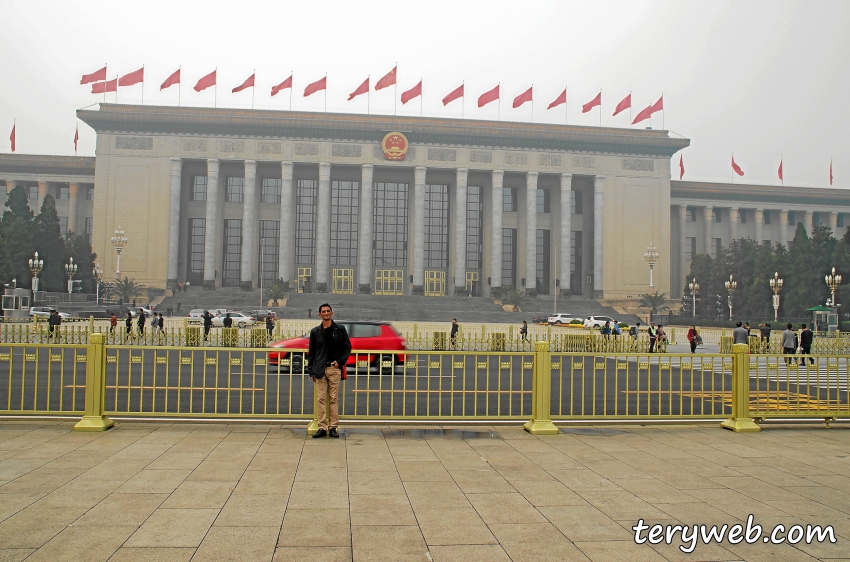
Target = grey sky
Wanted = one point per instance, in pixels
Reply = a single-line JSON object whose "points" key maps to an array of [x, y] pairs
{"points": [[764, 79]]}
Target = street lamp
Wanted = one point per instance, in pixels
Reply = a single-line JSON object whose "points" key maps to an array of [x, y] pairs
{"points": [[731, 285], [36, 265], [651, 257], [70, 271], [694, 287], [776, 285], [118, 242], [833, 280], [97, 273]]}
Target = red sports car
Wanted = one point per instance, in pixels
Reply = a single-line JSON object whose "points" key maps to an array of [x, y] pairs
{"points": [[365, 337]]}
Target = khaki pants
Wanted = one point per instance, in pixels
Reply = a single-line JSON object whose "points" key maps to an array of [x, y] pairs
{"points": [[331, 379]]}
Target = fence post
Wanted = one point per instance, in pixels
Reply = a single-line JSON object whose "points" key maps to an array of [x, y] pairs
{"points": [[93, 418], [541, 392], [741, 420]]}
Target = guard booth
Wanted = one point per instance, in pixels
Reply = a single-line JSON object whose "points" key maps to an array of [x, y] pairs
{"points": [[824, 319], [16, 303]]}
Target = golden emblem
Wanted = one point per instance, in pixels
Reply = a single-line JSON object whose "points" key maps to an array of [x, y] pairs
{"points": [[395, 146]]}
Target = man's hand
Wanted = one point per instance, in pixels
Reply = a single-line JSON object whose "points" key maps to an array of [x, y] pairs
{"points": [[335, 365]]}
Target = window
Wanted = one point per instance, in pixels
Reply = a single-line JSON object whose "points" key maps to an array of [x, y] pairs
{"points": [[89, 193], [792, 219], [767, 243], [474, 221], [235, 190], [305, 222], [691, 215], [690, 248], [767, 217], [815, 219], [345, 210], [199, 188], [544, 201], [509, 257], [577, 202], [32, 192], [840, 220], [197, 230], [64, 192], [271, 191], [543, 262], [269, 251], [716, 247], [436, 226], [389, 246], [89, 228], [232, 253], [509, 199], [742, 216], [63, 226], [575, 262], [718, 215]]}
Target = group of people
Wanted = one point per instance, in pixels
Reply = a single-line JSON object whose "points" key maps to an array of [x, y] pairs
{"points": [[157, 322]]}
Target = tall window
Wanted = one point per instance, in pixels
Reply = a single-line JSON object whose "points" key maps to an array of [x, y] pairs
{"points": [[690, 248], [716, 247], [839, 222], [345, 210], [792, 218], [197, 234], [389, 248], [235, 190], [63, 226], [64, 192], [89, 228], [767, 217], [577, 202], [543, 271], [90, 193], [544, 201], [232, 253], [199, 188], [576, 262], [32, 192], [509, 199], [718, 215], [509, 257], [742, 216], [271, 191], [269, 251], [437, 226], [305, 222], [474, 220], [691, 215]]}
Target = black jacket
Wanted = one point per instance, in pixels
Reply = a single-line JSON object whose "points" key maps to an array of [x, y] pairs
{"points": [[806, 339], [317, 354]]}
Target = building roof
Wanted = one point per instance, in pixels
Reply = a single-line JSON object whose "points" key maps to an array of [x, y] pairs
{"points": [[47, 165], [749, 195], [427, 130]]}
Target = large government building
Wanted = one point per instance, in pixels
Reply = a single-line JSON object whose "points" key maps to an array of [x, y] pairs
{"points": [[390, 205]]}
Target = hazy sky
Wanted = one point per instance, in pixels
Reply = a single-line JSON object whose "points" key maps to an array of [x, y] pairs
{"points": [[762, 79]]}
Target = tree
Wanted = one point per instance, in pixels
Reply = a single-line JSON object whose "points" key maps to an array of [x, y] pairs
{"points": [[50, 246], [278, 290], [126, 289], [514, 298], [18, 205], [654, 302], [841, 262], [77, 246]]}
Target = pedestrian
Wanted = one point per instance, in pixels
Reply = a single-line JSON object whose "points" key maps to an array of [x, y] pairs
{"points": [[228, 321], [327, 354], [134, 303], [179, 287], [789, 343], [806, 337], [606, 329], [454, 332], [615, 329], [633, 332], [129, 323], [186, 287], [178, 307], [653, 335], [692, 338], [310, 313], [764, 331], [661, 335], [113, 321], [207, 323], [154, 322], [140, 323], [270, 324], [161, 323], [523, 331], [53, 323], [740, 334]]}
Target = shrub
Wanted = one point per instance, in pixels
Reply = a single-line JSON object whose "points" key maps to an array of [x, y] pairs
{"points": [[531, 293], [623, 325], [321, 287], [575, 321], [418, 290], [365, 289], [209, 285], [246, 286]]}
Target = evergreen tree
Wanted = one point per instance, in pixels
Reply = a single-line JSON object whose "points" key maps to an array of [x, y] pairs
{"points": [[802, 277], [50, 247], [77, 246], [18, 205], [17, 249], [841, 262]]}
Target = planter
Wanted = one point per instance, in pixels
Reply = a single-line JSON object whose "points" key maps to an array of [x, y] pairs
{"points": [[510, 308]]}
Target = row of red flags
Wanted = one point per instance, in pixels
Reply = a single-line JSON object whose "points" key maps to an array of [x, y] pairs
{"points": [[100, 85]]}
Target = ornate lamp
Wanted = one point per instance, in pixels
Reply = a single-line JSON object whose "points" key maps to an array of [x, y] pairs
{"points": [[694, 287], [97, 273], [731, 285], [833, 280], [36, 265], [70, 271], [651, 257], [118, 242], [776, 286]]}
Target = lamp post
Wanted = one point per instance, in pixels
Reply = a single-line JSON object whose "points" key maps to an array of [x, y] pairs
{"points": [[36, 265], [97, 273], [731, 285], [651, 257], [694, 287], [118, 242], [70, 271], [833, 280], [262, 247], [776, 285]]}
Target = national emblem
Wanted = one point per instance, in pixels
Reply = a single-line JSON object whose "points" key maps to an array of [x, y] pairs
{"points": [[395, 146]]}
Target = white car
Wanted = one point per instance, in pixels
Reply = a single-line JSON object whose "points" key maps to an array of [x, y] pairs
{"points": [[561, 318], [239, 320], [44, 312], [598, 321]]}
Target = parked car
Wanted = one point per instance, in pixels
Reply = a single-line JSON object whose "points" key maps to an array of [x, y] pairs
{"points": [[239, 320], [44, 312], [134, 312], [598, 321], [561, 318], [365, 336]]}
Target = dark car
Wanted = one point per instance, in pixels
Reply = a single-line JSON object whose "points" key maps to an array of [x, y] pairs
{"points": [[365, 337]]}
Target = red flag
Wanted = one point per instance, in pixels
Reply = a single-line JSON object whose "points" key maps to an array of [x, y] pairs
{"points": [[644, 114], [282, 86], [171, 80], [361, 89], [12, 136], [488, 96], [206, 81], [455, 94], [681, 167], [624, 105], [779, 172], [522, 98], [657, 106], [97, 76], [132, 78], [101, 87], [413, 92], [249, 83], [387, 80], [597, 101], [76, 138], [830, 172], [562, 99], [316, 86], [736, 167]]}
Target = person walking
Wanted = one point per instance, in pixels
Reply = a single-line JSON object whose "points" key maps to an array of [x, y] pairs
{"points": [[789, 343], [740, 334], [129, 323], [692, 338], [454, 332], [523, 331], [806, 337], [270, 324], [653, 335], [53, 323], [764, 331], [661, 335], [161, 324], [113, 321], [207, 323], [140, 323], [327, 354], [154, 323], [178, 307]]}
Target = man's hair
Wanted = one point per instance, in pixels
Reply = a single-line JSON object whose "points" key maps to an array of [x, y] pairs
{"points": [[738, 323], [789, 326], [804, 326], [323, 305], [454, 319]]}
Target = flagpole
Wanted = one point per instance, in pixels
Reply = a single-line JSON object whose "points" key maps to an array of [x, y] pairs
{"points": [[116, 88], [663, 111], [600, 107], [105, 75], [215, 98], [463, 99], [782, 163], [143, 85], [566, 101], [253, 88], [499, 109], [420, 98], [179, 85], [532, 102], [368, 96], [291, 74], [326, 92], [395, 90], [630, 109]]}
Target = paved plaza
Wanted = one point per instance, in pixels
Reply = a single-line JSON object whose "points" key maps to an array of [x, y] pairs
{"points": [[250, 491]]}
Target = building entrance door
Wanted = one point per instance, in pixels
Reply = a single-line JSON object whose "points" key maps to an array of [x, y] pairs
{"points": [[389, 282], [305, 275], [435, 283], [343, 282], [472, 283]]}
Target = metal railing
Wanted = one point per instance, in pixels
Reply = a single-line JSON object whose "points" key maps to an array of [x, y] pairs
{"points": [[43, 379]]}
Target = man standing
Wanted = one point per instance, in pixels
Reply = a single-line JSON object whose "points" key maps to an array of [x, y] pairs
{"points": [[653, 335], [806, 337], [454, 332], [789, 343], [764, 331], [523, 331], [140, 323], [178, 307], [207, 323], [53, 323], [228, 321], [327, 354], [270, 323], [740, 334]]}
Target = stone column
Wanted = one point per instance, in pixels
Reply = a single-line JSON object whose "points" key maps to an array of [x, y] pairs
{"points": [[598, 230], [708, 215], [683, 246], [807, 222], [498, 177], [250, 243], [759, 218], [833, 224], [419, 226], [323, 225], [733, 223], [530, 230], [287, 208], [565, 256], [460, 232], [174, 221], [73, 206], [211, 222], [42, 193], [783, 227], [364, 245]]}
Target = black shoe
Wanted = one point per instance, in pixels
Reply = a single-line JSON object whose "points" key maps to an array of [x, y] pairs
{"points": [[320, 433], [333, 433]]}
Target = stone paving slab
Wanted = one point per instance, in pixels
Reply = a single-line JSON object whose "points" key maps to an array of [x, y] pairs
{"points": [[186, 491]]}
